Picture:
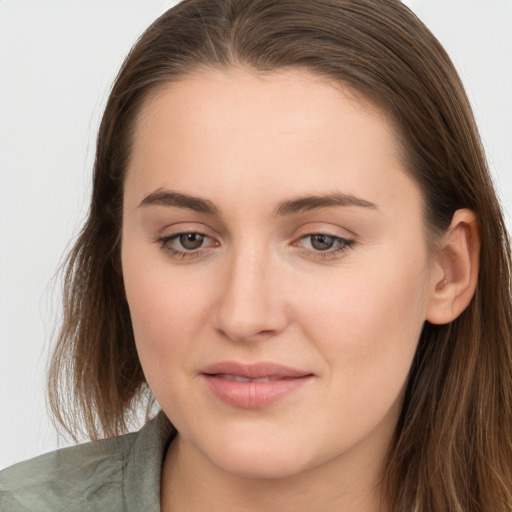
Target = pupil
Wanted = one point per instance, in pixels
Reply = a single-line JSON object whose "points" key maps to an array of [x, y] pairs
{"points": [[322, 242], [191, 240]]}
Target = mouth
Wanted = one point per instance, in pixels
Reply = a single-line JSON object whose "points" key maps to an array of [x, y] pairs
{"points": [[253, 386], [239, 378]]}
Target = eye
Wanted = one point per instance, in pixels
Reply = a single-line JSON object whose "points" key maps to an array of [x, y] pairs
{"points": [[322, 242], [186, 245], [323, 245], [191, 241]]}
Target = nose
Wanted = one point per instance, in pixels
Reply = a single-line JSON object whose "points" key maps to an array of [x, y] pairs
{"points": [[251, 305]]}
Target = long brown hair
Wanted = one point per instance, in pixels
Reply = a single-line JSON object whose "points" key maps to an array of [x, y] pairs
{"points": [[452, 449]]}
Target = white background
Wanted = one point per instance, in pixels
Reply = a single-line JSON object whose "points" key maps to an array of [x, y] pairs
{"points": [[57, 62]]}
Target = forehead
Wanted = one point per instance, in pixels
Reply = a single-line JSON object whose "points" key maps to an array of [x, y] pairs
{"points": [[226, 97], [280, 132]]}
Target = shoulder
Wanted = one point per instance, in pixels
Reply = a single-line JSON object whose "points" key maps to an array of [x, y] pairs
{"points": [[101, 475], [67, 479]]}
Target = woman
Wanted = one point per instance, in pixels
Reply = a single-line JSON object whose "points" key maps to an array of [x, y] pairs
{"points": [[295, 247]]}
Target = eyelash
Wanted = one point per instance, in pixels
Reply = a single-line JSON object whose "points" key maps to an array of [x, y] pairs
{"points": [[340, 246], [181, 254]]}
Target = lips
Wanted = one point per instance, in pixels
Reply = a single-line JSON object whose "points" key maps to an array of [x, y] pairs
{"points": [[239, 378], [252, 386]]}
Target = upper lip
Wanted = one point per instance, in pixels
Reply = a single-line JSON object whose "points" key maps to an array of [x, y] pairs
{"points": [[254, 370]]}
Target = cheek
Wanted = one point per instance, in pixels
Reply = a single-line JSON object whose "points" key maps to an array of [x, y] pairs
{"points": [[167, 318], [167, 311], [367, 325]]}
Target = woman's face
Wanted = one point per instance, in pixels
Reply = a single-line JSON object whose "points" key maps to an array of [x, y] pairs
{"points": [[275, 268]]}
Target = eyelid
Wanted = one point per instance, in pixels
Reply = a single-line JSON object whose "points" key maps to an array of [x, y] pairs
{"points": [[182, 228], [324, 228]]}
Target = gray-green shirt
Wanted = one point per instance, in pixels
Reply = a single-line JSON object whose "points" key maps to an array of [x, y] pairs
{"points": [[112, 475]]}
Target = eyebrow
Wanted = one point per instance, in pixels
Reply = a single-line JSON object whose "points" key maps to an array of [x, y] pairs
{"points": [[304, 204], [178, 200], [291, 207]]}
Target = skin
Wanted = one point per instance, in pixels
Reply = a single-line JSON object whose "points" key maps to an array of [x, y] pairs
{"points": [[259, 290]]}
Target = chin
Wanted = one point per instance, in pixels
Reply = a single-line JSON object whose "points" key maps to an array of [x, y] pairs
{"points": [[264, 460]]}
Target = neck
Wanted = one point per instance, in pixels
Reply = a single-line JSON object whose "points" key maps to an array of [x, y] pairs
{"points": [[192, 483]]}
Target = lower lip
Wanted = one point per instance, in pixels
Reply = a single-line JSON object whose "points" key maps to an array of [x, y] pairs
{"points": [[253, 395]]}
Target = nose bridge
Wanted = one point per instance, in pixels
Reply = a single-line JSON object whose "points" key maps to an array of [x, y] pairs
{"points": [[248, 305]]}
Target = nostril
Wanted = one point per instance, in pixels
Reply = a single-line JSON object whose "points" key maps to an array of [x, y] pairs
{"points": [[245, 333]]}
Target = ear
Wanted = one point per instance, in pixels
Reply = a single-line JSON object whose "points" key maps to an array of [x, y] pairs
{"points": [[455, 269]]}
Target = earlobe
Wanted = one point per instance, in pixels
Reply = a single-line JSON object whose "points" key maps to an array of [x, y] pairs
{"points": [[455, 269]]}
